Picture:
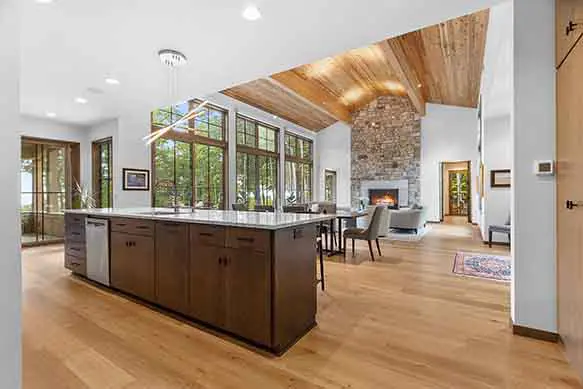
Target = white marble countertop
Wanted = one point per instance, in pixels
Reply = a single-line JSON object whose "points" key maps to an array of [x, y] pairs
{"points": [[246, 219]]}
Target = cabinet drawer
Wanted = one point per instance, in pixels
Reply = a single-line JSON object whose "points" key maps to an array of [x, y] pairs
{"points": [[73, 218], [205, 235], [239, 238], [76, 265], [75, 249], [75, 232], [133, 226]]}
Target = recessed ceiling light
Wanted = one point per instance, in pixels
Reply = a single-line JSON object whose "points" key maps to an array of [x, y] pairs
{"points": [[51, 114], [81, 100], [419, 85], [275, 117], [111, 81], [44, 1], [251, 12]]}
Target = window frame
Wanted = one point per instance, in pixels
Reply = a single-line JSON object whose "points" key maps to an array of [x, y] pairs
{"points": [[97, 174], [332, 173], [299, 160], [258, 152], [193, 139]]}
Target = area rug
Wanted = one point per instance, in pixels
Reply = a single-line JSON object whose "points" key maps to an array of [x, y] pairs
{"points": [[407, 235], [493, 267]]}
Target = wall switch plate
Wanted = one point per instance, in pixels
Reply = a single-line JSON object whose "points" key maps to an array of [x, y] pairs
{"points": [[544, 168]]}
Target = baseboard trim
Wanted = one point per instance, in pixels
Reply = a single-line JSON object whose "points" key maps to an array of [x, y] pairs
{"points": [[432, 222], [497, 243], [536, 334]]}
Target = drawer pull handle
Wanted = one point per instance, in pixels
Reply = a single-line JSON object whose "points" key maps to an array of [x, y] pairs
{"points": [[76, 233], [205, 234], [74, 249], [143, 227], [121, 224], [248, 240], [171, 224]]}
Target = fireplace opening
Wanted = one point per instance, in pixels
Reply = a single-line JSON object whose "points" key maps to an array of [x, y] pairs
{"points": [[388, 197]]}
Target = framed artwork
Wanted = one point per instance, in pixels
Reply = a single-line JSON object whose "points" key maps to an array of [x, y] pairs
{"points": [[136, 179], [500, 178]]}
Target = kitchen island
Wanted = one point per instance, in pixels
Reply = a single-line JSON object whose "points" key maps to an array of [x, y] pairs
{"points": [[247, 274]]}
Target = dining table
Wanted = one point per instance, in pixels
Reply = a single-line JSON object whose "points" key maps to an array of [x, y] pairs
{"points": [[340, 216]]}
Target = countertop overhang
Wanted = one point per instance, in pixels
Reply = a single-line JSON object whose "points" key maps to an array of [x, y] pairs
{"points": [[244, 219]]}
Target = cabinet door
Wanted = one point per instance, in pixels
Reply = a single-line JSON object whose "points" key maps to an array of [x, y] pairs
{"points": [[132, 264], [172, 265], [248, 295], [206, 284]]}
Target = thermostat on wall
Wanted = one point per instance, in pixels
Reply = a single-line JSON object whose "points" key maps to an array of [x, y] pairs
{"points": [[544, 168]]}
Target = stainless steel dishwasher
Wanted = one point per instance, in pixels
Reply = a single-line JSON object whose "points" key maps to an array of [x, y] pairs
{"points": [[97, 249]]}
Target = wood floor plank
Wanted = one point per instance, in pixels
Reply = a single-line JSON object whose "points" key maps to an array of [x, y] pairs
{"points": [[404, 321]]}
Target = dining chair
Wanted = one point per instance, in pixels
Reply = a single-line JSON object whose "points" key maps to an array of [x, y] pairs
{"points": [[372, 232], [264, 208]]}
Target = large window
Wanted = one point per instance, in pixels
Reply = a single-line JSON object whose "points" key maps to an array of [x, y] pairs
{"points": [[102, 173], [257, 160], [189, 161], [298, 169]]}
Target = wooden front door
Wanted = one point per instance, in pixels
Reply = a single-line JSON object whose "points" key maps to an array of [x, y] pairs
{"points": [[570, 189]]}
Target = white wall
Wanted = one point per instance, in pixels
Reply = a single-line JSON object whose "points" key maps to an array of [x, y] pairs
{"points": [[334, 153], [533, 197], [10, 273], [497, 154], [496, 90], [448, 134], [55, 130]]}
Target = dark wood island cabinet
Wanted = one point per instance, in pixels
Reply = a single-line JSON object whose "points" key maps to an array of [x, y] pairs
{"points": [[251, 280]]}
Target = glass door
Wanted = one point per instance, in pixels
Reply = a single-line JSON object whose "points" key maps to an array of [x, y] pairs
{"points": [[45, 191], [458, 192]]}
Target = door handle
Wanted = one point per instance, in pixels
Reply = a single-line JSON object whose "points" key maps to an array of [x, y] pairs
{"points": [[570, 204]]}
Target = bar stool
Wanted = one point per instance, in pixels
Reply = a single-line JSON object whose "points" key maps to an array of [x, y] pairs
{"points": [[321, 255]]}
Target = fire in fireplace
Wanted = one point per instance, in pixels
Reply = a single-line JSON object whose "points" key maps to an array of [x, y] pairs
{"points": [[388, 197]]}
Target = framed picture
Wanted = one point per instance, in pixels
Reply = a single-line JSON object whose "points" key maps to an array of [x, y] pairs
{"points": [[136, 179], [500, 178]]}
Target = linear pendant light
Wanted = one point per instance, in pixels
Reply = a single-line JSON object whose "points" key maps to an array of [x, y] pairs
{"points": [[174, 59]]}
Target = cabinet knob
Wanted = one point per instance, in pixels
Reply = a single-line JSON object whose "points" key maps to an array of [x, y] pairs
{"points": [[220, 260]]}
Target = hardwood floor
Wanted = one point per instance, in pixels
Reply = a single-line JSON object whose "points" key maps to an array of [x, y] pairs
{"points": [[402, 322]]}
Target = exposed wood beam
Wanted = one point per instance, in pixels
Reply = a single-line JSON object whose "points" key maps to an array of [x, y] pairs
{"points": [[398, 60], [312, 93]]}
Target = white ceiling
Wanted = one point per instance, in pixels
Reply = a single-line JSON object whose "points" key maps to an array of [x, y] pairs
{"points": [[72, 45]]}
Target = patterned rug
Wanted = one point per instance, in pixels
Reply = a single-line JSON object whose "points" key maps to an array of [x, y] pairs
{"points": [[493, 267]]}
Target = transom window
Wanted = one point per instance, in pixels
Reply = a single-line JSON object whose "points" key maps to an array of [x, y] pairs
{"points": [[252, 133]]}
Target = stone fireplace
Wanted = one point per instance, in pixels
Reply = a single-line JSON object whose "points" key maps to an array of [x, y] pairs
{"points": [[386, 150], [398, 189], [388, 197]]}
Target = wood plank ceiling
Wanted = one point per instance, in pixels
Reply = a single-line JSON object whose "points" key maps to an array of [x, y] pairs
{"points": [[438, 64]]}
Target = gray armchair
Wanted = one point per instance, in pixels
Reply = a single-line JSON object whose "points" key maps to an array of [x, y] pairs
{"points": [[408, 219], [373, 232]]}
